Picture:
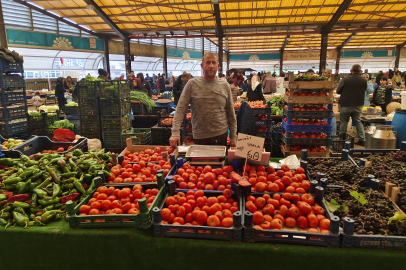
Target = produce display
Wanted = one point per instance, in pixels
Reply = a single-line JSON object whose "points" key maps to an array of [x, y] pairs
{"points": [[34, 191], [315, 77], [307, 122], [62, 124], [167, 122], [111, 89], [308, 107], [308, 93], [59, 150], [144, 98], [253, 104], [49, 108], [163, 101], [194, 208], [336, 171], [141, 172], [309, 148], [287, 210], [277, 105], [149, 155], [116, 201], [10, 144], [63, 135], [307, 135]]}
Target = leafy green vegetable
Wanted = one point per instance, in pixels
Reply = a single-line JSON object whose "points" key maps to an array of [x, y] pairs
{"points": [[72, 104], [141, 96], [277, 105], [359, 197], [34, 113], [48, 108], [92, 79], [398, 216], [334, 206], [63, 124]]}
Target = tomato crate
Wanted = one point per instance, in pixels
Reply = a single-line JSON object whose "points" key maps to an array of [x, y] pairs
{"points": [[140, 136], [294, 235], [13, 112], [115, 107], [115, 89], [12, 96], [267, 123], [233, 233], [40, 143], [308, 114], [89, 89], [307, 128], [292, 84], [138, 108], [287, 152], [142, 220], [11, 81], [130, 147], [8, 67], [116, 123], [307, 141]]}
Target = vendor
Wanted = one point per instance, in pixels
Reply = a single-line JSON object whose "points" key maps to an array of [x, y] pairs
{"points": [[178, 86], [212, 108], [60, 92]]}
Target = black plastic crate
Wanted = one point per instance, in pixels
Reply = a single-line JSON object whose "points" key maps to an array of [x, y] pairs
{"points": [[8, 67], [8, 130], [160, 135], [36, 132], [307, 141], [91, 134], [116, 107], [115, 89], [308, 114], [143, 136], [10, 97], [116, 123], [338, 142], [68, 110], [88, 89], [113, 140], [40, 143], [89, 107], [90, 127], [267, 123], [10, 81], [157, 110], [14, 112], [139, 108]]}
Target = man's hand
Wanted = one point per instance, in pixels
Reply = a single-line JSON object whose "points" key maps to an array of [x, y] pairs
{"points": [[174, 141], [233, 144]]}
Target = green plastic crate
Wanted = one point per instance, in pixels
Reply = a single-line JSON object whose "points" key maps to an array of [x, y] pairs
{"points": [[142, 220], [143, 136]]}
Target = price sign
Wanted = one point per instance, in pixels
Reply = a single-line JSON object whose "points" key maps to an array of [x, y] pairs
{"points": [[250, 147]]}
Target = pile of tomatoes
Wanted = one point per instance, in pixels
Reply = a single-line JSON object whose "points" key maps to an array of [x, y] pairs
{"points": [[307, 107], [288, 210], [307, 135], [311, 148], [307, 122], [147, 155], [253, 104], [286, 180], [114, 201], [308, 94], [194, 208], [141, 172], [190, 177]]}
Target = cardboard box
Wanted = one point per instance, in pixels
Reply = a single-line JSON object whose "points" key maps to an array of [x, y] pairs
{"points": [[138, 148]]}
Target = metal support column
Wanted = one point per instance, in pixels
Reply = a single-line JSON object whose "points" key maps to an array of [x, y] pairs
{"points": [[127, 55], [323, 52], [220, 54], [3, 35], [397, 57], [338, 61], [281, 63], [228, 61], [106, 59], [165, 63]]}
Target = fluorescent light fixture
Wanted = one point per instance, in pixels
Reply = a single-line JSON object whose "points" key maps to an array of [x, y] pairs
{"points": [[66, 19], [90, 7], [85, 27], [35, 5], [53, 13]]}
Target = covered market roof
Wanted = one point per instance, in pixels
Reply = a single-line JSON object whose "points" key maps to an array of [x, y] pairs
{"points": [[245, 25]]}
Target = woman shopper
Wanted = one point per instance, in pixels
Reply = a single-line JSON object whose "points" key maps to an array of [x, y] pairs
{"points": [[397, 79], [60, 92], [370, 90], [383, 94], [162, 83]]}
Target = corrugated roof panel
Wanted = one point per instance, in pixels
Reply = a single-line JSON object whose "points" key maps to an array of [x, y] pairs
{"points": [[282, 20], [269, 21], [233, 22]]}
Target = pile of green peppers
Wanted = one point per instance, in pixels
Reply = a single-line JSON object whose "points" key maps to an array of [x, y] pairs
{"points": [[34, 191]]}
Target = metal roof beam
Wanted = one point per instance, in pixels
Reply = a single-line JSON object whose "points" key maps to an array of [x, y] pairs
{"points": [[340, 11], [285, 43], [216, 8], [105, 18], [339, 48]]}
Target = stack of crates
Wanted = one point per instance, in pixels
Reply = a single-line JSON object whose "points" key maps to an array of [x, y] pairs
{"points": [[89, 109], [187, 130], [40, 124], [13, 111], [302, 126], [275, 145], [264, 124], [116, 107]]}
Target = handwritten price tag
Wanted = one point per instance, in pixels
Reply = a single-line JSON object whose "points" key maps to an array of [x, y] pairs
{"points": [[249, 146]]}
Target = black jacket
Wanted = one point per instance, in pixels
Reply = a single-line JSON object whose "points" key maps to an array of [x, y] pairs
{"points": [[246, 120], [177, 89], [388, 97], [352, 90], [144, 86], [162, 84], [378, 78], [255, 95]]}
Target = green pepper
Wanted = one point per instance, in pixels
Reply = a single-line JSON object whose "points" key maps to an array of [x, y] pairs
{"points": [[56, 189], [28, 173], [35, 209], [6, 215], [79, 187], [48, 216], [55, 155], [49, 207], [87, 178], [6, 161], [19, 210], [72, 164], [24, 158], [48, 200], [34, 198], [77, 153], [8, 208], [35, 223], [3, 197], [70, 174], [10, 187], [3, 222], [20, 219], [53, 174], [40, 193], [36, 175], [20, 171], [13, 180], [55, 160], [65, 169], [70, 186], [2, 171], [32, 216], [8, 224], [45, 183], [25, 188], [74, 191], [31, 163], [21, 204], [59, 216], [21, 187]]}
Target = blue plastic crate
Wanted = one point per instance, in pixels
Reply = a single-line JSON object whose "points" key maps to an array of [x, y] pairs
{"points": [[6, 66], [306, 128], [10, 81], [307, 141], [9, 97], [307, 114]]}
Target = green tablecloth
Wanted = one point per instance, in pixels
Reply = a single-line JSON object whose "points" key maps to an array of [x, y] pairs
{"points": [[58, 247]]}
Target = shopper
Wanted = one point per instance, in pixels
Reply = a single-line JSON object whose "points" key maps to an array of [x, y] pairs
{"points": [[397, 79], [269, 83], [212, 108], [148, 79], [378, 77], [162, 83], [178, 86], [133, 84], [235, 79], [154, 78], [144, 86], [37, 101], [382, 95], [68, 84], [390, 73], [240, 79], [60, 92], [369, 90], [310, 72], [235, 90], [103, 74], [245, 86], [254, 92], [366, 72], [352, 90]]}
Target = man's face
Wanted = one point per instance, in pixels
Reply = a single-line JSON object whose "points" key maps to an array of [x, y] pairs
{"points": [[210, 66], [184, 79], [132, 73], [366, 71], [383, 83]]}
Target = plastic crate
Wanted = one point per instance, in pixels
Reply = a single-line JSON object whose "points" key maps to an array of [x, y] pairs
{"points": [[116, 123], [14, 112], [292, 84], [11, 153], [306, 128], [203, 232], [115, 89], [309, 99], [307, 141], [116, 107], [6, 66], [88, 89], [295, 236], [157, 110], [10, 81], [267, 123], [113, 140], [160, 135], [141, 220], [91, 135], [139, 108], [68, 110], [338, 143], [40, 143], [8, 130], [368, 152], [288, 152], [143, 136], [10, 97], [266, 134], [89, 107], [308, 114]]}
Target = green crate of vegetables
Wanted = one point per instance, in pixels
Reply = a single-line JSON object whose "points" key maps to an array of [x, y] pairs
{"points": [[137, 107]]}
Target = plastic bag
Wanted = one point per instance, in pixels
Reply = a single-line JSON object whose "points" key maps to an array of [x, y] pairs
{"points": [[94, 145], [292, 162], [68, 97]]}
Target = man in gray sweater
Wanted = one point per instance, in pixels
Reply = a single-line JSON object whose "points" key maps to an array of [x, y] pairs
{"points": [[212, 108], [352, 90]]}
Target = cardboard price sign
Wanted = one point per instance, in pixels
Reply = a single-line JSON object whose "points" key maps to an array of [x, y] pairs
{"points": [[249, 147]]}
